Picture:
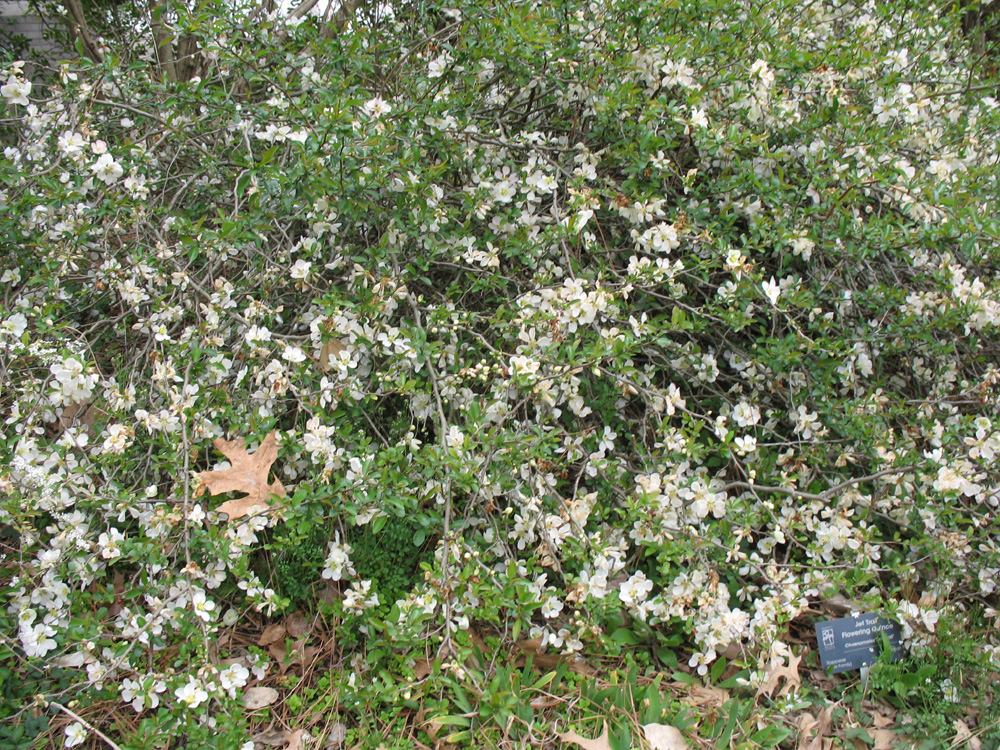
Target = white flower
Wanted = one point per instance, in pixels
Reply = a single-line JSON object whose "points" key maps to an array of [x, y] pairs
{"points": [[300, 270], [106, 169], [455, 438], [635, 590], [735, 260], [803, 246], [131, 691], [607, 440], [293, 354], [437, 66], [551, 607], [357, 599], [376, 107], [772, 289], [746, 444], [520, 365], [192, 694], [109, 544], [702, 660], [698, 117], [504, 192], [338, 562], [16, 92], [119, 437], [761, 70], [807, 423], [202, 607], [14, 326], [745, 414], [71, 143], [678, 74], [233, 677], [257, 335], [76, 733], [37, 640]]}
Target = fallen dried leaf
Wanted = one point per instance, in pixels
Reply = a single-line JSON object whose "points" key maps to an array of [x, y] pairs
{"points": [[297, 739], [298, 625], [271, 739], [291, 740], [272, 634], [550, 661], [259, 697], [431, 726], [927, 599], [964, 736], [303, 653], [545, 702], [790, 674], [119, 588], [702, 695], [806, 722], [330, 593], [336, 736], [331, 348], [248, 474], [600, 743], [664, 737], [885, 739], [278, 653], [81, 415], [422, 668], [811, 730]]}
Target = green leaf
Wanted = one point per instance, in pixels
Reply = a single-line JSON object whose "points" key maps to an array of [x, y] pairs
{"points": [[453, 721], [623, 635], [717, 669], [266, 157]]}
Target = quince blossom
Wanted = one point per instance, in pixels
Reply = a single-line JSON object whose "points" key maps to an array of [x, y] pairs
{"points": [[16, 92], [106, 169]]}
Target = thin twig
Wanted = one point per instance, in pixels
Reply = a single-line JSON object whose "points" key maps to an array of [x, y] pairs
{"points": [[822, 496], [442, 439], [86, 723]]}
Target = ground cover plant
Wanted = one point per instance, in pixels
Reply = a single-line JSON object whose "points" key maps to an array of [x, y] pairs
{"points": [[501, 375]]}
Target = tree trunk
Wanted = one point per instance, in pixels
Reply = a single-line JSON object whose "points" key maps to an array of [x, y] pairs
{"points": [[78, 27]]}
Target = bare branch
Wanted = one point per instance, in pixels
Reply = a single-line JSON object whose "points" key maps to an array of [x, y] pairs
{"points": [[304, 7], [822, 496], [345, 13], [78, 26]]}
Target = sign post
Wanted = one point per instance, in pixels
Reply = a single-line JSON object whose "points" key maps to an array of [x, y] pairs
{"points": [[853, 642]]}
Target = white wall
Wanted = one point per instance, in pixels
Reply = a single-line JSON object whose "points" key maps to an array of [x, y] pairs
{"points": [[30, 26]]}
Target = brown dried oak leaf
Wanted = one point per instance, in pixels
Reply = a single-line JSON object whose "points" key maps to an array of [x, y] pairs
{"points": [[248, 474], [789, 674]]}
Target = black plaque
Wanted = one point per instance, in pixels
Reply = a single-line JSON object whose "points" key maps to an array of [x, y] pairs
{"points": [[854, 642]]}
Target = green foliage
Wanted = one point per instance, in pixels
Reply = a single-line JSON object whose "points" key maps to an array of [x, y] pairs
{"points": [[908, 684], [388, 552], [296, 561], [22, 717], [950, 680]]}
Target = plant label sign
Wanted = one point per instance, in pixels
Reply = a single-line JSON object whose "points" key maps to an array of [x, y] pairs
{"points": [[853, 642]]}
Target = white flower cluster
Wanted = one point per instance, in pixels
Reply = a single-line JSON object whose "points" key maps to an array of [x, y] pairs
{"points": [[338, 564], [74, 383]]}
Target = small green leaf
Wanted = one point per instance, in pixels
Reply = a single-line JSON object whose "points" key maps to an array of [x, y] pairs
{"points": [[453, 721], [623, 635]]}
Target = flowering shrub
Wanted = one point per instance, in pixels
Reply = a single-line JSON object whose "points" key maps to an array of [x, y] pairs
{"points": [[631, 312]]}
